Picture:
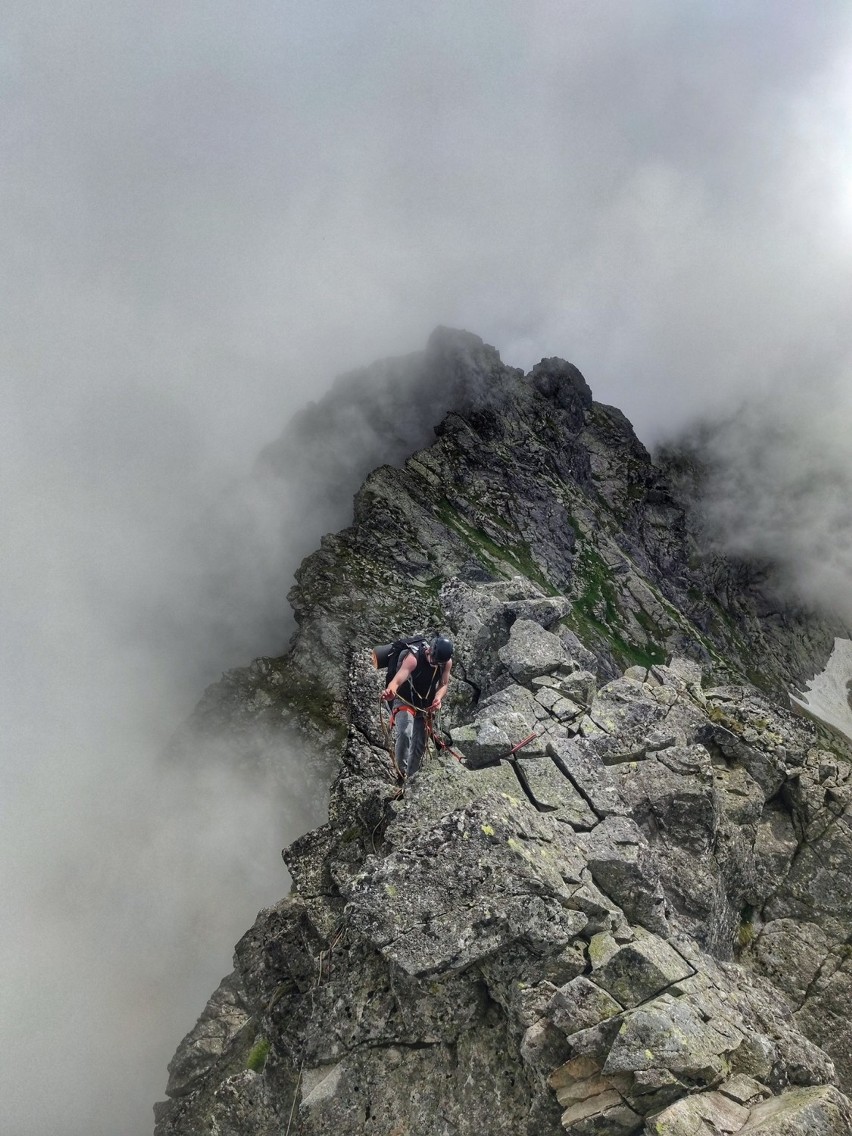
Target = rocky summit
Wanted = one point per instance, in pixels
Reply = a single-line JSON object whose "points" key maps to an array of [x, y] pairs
{"points": [[636, 922]]}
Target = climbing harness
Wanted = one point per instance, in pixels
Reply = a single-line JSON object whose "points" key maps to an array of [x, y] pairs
{"points": [[429, 717]]}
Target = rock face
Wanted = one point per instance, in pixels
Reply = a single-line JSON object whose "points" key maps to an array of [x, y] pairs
{"points": [[635, 923]]}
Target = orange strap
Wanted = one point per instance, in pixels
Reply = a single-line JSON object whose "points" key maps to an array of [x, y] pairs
{"points": [[404, 709]]}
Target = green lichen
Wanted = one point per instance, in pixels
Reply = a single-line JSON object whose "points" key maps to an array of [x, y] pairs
{"points": [[258, 1055], [598, 948], [506, 559], [432, 585], [722, 718], [596, 614], [512, 800]]}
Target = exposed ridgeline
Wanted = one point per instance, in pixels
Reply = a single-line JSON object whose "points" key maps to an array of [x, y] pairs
{"points": [[638, 928], [378, 415]]}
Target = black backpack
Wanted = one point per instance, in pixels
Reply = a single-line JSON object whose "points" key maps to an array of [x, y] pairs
{"points": [[396, 650]]}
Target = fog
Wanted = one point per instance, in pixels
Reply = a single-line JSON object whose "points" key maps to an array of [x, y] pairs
{"points": [[779, 487], [209, 212]]}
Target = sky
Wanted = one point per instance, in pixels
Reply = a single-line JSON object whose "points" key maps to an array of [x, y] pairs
{"points": [[209, 211]]}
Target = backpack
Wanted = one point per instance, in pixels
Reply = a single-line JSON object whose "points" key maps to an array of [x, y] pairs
{"points": [[397, 650]]}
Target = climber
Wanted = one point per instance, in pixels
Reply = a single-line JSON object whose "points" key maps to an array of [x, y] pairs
{"points": [[417, 689]]}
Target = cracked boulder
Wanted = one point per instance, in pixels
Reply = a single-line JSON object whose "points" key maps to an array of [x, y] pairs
{"points": [[479, 880], [636, 971], [532, 652], [674, 1034], [621, 865]]}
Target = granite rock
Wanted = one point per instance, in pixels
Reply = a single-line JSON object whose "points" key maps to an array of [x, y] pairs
{"points": [[637, 922]]}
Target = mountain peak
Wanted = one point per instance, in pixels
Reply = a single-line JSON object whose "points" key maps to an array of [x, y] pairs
{"points": [[631, 829]]}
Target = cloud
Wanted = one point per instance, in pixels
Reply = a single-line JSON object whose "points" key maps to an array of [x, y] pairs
{"points": [[207, 214], [779, 487]]}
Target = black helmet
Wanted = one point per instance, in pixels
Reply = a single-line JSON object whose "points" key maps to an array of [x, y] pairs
{"points": [[442, 649]]}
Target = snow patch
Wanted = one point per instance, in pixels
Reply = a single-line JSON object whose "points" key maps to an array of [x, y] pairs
{"points": [[827, 695]]}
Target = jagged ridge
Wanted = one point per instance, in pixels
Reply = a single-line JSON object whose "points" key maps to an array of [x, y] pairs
{"points": [[460, 961]]}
